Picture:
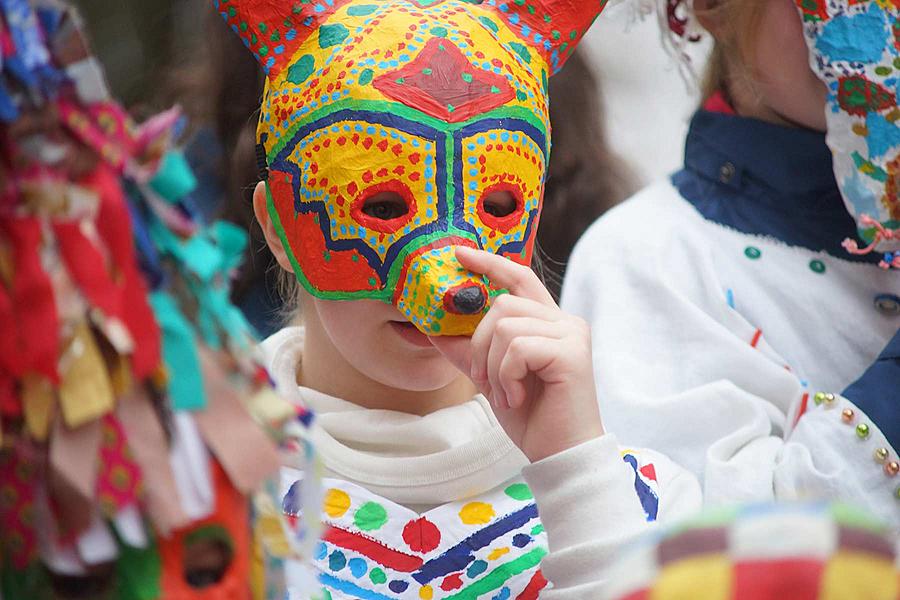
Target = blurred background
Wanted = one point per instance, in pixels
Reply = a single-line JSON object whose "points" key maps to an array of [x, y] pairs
{"points": [[620, 110]]}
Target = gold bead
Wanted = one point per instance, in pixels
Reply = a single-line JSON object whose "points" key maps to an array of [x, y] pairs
{"points": [[862, 431], [830, 400], [847, 415], [892, 468], [881, 455], [819, 398]]}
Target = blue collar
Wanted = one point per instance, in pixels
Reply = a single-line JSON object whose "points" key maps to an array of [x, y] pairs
{"points": [[765, 179]]}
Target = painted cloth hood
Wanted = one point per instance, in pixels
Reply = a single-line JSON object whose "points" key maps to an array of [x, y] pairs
{"points": [[395, 131]]}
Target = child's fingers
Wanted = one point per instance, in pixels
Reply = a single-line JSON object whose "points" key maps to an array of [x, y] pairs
{"points": [[524, 357], [505, 274], [503, 307], [506, 332], [456, 349]]}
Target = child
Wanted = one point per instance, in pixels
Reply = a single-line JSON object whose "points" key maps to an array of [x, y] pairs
{"points": [[733, 331], [398, 138]]}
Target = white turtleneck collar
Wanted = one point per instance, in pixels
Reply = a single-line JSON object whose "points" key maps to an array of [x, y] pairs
{"points": [[417, 461]]}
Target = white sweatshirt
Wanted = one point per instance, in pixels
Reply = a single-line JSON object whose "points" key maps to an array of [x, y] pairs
{"points": [[711, 345], [394, 479]]}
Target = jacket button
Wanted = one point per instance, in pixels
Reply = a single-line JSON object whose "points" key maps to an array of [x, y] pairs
{"points": [[888, 304], [726, 172]]}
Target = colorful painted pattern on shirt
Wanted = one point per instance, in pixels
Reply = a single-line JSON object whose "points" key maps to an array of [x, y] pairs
{"points": [[427, 111], [855, 49], [485, 547], [768, 552]]}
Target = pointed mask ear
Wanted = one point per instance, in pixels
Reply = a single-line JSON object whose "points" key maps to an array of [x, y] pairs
{"points": [[553, 27], [274, 29]]}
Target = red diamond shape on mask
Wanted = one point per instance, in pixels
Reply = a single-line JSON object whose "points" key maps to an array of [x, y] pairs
{"points": [[441, 82]]}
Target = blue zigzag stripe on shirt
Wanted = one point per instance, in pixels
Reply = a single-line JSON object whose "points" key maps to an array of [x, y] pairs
{"points": [[458, 557]]}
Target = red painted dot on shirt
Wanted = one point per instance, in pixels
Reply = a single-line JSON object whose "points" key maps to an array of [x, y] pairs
{"points": [[421, 535], [451, 582]]}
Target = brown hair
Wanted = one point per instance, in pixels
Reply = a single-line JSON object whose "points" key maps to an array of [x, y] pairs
{"points": [[585, 177], [734, 44]]}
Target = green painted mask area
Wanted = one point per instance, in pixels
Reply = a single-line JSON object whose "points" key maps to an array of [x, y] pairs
{"points": [[362, 10], [332, 35], [301, 70]]}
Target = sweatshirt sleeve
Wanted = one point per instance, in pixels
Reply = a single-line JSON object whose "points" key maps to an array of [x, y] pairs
{"points": [[680, 371], [596, 497]]}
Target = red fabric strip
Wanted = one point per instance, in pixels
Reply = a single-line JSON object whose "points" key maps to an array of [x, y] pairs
{"points": [[717, 103]]}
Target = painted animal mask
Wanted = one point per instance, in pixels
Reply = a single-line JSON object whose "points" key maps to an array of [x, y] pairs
{"points": [[395, 130]]}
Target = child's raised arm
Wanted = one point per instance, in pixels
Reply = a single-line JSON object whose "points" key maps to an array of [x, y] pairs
{"points": [[533, 362]]}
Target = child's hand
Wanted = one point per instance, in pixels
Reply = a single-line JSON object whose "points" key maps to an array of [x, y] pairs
{"points": [[531, 360]]}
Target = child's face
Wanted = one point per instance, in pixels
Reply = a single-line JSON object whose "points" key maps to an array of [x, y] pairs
{"points": [[783, 79], [376, 340]]}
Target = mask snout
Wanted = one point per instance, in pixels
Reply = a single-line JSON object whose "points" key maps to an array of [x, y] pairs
{"points": [[466, 299], [438, 295]]}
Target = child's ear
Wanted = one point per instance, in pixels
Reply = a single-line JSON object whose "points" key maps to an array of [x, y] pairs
{"points": [[708, 17], [273, 240]]}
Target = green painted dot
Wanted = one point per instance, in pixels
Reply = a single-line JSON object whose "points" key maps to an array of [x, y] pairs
{"points": [[401, 80], [897, 63], [882, 71], [450, 108], [555, 35], [361, 10], [377, 576], [495, 89], [573, 35], [302, 68], [439, 32], [436, 327], [752, 252], [489, 24], [467, 77], [326, 255], [263, 27], [522, 51], [537, 529], [244, 26], [365, 78], [332, 35], [253, 38], [232, 12], [427, 71], [372, 282], [519, 491], [276, 36], [370, 516], [263, 50], [521, 96], [354, 258], [817, 266]]}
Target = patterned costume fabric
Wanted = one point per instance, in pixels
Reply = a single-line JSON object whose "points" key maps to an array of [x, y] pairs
{"points": [[770, 552], [126, 424], [855, 49], [489, 546], [395, 131]]}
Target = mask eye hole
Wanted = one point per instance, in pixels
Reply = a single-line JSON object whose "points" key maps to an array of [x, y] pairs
{"points": [[500, 204], [385, 206]]}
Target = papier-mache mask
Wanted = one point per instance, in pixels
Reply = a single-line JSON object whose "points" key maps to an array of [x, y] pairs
{"points": [[395, 130]]}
